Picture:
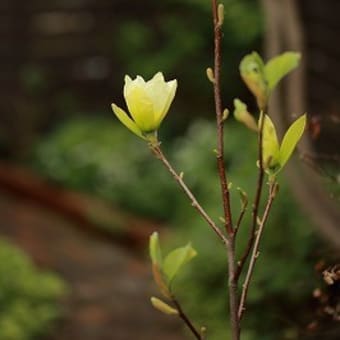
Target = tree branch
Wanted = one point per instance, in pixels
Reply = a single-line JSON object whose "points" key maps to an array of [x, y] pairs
{"points": [[159, 154], [255, 253], [219, 119], [232, 283], [240, 218], [256, 203], [186, 319]]}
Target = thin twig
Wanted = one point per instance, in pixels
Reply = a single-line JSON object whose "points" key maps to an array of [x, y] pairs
{"points": [[255, 252], [219, 119], [240, 218], [159, 154], [256, 203], [186, 319]]}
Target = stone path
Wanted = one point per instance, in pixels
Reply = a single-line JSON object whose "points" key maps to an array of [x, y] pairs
{"points": [[110, 287]]}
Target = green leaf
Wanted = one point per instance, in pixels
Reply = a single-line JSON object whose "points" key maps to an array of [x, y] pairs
{"points": [[291, 138], [280, 66], [270, 144], [176, 259], [252, 73], [155, 249], [163, 306]]}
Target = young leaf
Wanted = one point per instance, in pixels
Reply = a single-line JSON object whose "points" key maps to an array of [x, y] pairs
{"points": [[163, 307], [243, 197], [291, 138], [252, 73], [280, 66], [270, 144], [242, 114], [155, 249], [176, 259]]}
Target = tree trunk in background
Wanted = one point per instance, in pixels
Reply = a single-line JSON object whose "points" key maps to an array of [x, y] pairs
{"points": [[285, 31]]}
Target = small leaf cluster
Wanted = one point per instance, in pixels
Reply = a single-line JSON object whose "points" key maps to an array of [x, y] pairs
{"points": [[261, 79], [165, 270]]}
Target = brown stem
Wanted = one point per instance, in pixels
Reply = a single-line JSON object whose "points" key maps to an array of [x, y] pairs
{"points": [[256, 203], [233, 296], [159, 154], [244, 206], [186, 319], [240, 218], [232, 283], [255, 252], [219, 119]]}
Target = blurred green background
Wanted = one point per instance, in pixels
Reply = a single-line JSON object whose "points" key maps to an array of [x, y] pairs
{"points": [[56, 120]]}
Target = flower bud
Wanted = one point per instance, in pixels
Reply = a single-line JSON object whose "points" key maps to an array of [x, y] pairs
{"points": [[210, 74], [220, 14]]}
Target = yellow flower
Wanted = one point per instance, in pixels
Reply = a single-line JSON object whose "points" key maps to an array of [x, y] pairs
{"points": [[148, 103]]}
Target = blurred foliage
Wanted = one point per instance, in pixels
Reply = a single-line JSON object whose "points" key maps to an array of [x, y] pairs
{"points": [[143, 37], [102, 157], [176, 37], [98, 156], [28, 297]]}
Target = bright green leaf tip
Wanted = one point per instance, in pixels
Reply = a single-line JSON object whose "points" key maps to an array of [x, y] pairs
{"points": [[291, 138], [279, 66], [176, 259]]}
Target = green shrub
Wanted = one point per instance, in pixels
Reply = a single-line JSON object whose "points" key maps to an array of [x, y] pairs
{"points": [[28, 297], [86, 155]]}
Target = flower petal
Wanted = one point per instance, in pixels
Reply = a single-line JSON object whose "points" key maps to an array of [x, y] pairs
{"points": [[157, 90], [162, 94], [126, 120], [141, 107], [172, 87]]}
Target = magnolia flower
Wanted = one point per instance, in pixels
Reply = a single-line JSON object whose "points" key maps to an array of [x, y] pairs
{"points": [[147, 102]]}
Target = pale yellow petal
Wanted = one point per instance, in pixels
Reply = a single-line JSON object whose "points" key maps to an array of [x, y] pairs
{"points": [[172, 87], [157, 90], [141, 108], [127, 85], [157, 77], [126, 120]]}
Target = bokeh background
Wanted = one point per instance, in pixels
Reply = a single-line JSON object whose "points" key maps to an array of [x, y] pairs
{"points": [[79, 194]]}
